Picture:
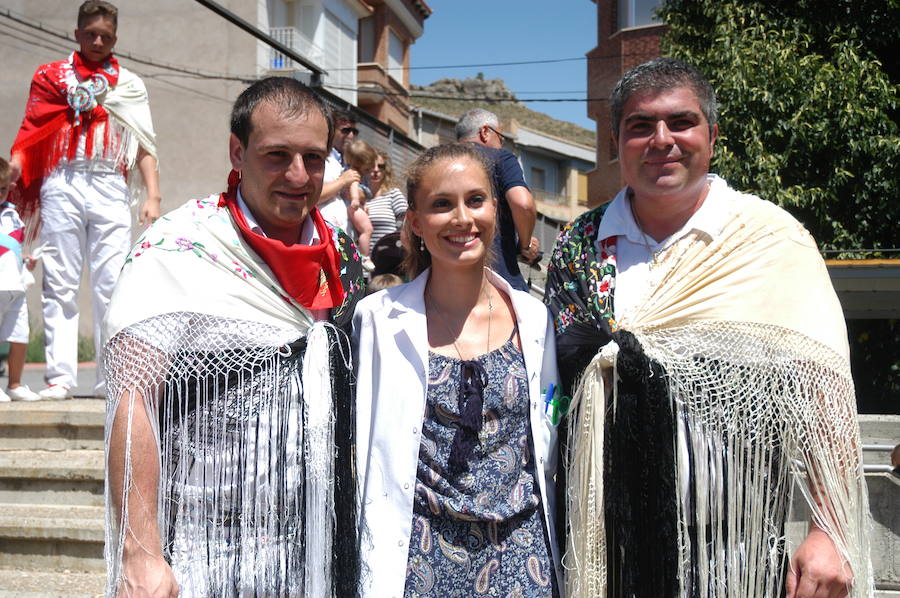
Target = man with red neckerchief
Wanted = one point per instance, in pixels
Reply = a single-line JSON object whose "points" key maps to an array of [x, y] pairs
{"points": [[87, 129], [229, 419]]}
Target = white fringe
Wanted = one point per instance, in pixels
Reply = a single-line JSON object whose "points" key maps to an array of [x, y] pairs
{"points": [[236, 463], [320, 463], [585, 558], [757, 407]]}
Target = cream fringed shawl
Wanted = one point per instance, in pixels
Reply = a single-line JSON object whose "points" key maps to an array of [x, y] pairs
{"points": [[249, 402], [744, 340]]}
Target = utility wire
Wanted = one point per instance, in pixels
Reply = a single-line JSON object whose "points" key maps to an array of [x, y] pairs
{"points": [[472, 66], [45, 44], [139, 59], [512, 63], [414, 94], [249, 79]]}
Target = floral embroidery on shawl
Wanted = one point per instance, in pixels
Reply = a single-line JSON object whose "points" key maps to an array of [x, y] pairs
{"points": [[575, 264], [580, 287]]}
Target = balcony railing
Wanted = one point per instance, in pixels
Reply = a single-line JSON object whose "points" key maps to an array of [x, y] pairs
{"points": [[296, 41]]}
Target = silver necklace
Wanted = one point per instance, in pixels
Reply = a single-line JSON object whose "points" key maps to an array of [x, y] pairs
{"points": [[443, 320], [654, 254]]}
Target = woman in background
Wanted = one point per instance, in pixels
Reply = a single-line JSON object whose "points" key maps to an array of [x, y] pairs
{"points": [[455, 448], [387, 206]]}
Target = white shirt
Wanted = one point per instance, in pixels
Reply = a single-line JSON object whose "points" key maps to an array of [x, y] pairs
{"points": [[635, 249], [391, 362], [13, 276], [334, 211], [308, 236]]}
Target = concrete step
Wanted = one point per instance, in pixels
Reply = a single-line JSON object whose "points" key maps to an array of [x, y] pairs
{"points": [[73, 477], [52, 425], [28, 583], [51, 537]]}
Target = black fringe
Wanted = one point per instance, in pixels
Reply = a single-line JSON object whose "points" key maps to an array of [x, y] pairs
{"points": [[345, 565], [639, 490]]}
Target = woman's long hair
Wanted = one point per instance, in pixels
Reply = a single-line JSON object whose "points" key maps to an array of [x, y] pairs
{"points": [[417, 258], [387, 175]]}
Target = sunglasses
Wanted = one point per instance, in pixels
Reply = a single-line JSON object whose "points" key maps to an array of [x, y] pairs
{"points": [[380, 166], [349, 130], [502, 137]]}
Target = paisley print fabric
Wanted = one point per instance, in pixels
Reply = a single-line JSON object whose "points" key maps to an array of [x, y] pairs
{"points": [[479, 532]]}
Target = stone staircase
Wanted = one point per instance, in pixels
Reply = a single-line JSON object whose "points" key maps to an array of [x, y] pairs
{"points": [[51, 499]]}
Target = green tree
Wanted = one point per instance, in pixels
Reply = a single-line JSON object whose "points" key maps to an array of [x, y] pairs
{"points": [[808, 117], [809, 120]]}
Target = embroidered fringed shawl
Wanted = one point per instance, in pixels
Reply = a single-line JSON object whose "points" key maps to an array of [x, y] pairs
{"points": [[251, 411], [117, 126], [698, 410]]}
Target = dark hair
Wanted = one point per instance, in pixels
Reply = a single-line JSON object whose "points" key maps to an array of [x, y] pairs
{"points": [[97, 8], [4, 172], [418, 259], [657, 75], [289, 96], [343, 116], [387, 255]]}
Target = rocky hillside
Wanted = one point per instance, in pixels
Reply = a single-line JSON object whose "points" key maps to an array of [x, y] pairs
{"points": [[498, 99]]}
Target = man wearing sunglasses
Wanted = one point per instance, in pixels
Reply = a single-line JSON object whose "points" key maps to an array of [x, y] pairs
{"points": [[337, 176], [516, 214]]}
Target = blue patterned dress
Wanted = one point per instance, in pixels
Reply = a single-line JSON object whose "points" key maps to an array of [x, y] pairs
{"points": [[479, 531]]}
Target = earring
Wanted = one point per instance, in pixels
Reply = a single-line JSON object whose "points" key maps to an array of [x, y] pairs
{"points": [[422, 245]]}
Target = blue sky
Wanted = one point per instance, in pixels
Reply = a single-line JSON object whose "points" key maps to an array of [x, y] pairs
{"points": [[488, 31]]}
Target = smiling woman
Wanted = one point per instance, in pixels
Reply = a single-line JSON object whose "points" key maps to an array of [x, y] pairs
{"points": [[452, 211], [459, 359]]}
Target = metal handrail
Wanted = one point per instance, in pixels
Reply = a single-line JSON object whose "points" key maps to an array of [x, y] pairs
{"points": [[878, 447]]}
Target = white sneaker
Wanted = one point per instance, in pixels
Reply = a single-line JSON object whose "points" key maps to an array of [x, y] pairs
{"points": [[22, 393], [56, 392], [4, 398]]}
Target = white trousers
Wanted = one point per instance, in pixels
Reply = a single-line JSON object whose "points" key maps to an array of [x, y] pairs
{"points": [[84, 215], [13, 317]]}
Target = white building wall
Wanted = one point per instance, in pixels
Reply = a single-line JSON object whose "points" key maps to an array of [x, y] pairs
{"points": [[325, 32], [339, 43], [190, 112]]}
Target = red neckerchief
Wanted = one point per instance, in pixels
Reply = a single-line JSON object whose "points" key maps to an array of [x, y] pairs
{"points": [[85, 68], [308, 273]]}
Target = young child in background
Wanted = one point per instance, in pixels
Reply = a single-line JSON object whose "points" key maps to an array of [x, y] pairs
{"points": [[361, 157], [13, 310]]}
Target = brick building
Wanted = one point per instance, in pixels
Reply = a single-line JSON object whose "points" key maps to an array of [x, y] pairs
{"points": [[383, 58], [627, 35]]}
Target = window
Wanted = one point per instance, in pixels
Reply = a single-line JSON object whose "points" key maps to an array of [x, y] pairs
{"points": [[395, 57], [340, 57], [637, 13], [538, 178], [367, 39]]}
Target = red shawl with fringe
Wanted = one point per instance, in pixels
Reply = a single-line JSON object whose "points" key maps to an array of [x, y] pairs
{"points": [[49, 131]]}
